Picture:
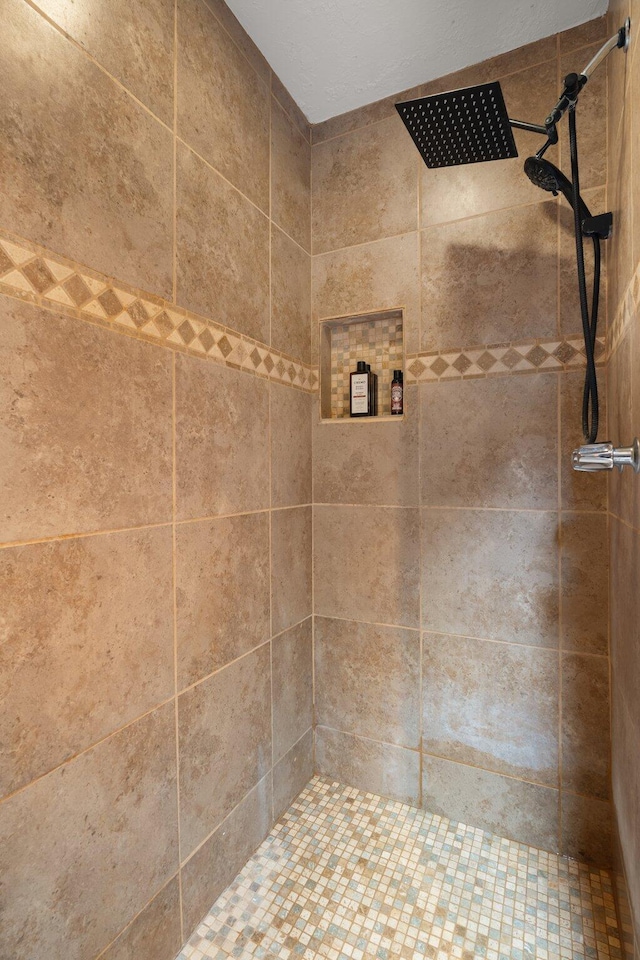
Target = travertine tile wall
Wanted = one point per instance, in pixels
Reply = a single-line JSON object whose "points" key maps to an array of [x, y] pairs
{"points": [[460, 566], [624, 491], [155, 463]]}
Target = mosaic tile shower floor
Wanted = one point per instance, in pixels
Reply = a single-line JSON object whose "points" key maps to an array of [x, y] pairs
{"points": [[347, 876]]}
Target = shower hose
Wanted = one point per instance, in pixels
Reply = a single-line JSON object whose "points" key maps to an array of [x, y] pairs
{"points": [[590, 411]]}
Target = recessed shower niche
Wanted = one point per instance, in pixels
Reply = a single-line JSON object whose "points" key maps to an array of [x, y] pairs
{"points": [[376, 338]]}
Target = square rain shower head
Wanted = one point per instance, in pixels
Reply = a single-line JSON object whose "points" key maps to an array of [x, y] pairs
{"points": [[470, 125]]}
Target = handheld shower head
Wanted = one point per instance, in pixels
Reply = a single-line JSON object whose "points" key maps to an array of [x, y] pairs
{"points": [[547, 176]]}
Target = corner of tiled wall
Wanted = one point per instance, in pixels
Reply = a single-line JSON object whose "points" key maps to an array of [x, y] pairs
{"points": [[155, 560]]}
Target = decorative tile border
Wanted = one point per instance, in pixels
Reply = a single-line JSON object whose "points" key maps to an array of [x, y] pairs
{"points": [[529, 356], [33, 273], [628, 308]]}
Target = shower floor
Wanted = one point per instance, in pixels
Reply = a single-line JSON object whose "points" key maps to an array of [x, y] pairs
{"points": [[347, 875]]}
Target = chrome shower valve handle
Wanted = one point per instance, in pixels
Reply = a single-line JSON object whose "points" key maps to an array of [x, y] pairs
{"points": [[604, 456]]}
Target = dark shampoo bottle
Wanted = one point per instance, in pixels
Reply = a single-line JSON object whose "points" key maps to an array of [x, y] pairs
{"points": [[360, 394]]}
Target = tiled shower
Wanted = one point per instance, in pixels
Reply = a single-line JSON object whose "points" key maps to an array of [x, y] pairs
{"points": [[233, 623]]}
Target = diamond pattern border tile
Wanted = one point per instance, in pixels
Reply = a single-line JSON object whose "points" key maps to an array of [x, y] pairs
{"points": [[32, 273], [494, 360], [346, 875]]}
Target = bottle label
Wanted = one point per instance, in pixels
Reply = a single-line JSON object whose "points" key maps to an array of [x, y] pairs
{"points": [[396, 398], [360, 393]]}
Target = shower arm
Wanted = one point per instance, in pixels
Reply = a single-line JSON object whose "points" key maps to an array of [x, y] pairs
{"points": [[573, 85]]}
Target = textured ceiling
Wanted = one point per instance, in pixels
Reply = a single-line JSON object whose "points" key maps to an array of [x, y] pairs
{"points": [[335, 55]]}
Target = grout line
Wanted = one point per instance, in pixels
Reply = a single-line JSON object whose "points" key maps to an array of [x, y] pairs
{"points": [[175, 154], [470, 509], [174, 568], [559, 442], [130, 923], [421, 724], [82, 535], [271, 701], [83, 50]]}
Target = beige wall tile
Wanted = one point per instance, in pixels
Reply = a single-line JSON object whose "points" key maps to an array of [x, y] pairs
{"points": [[626, 793], [367, 564], [90, 844], [364, 186], [240, 37], [290, 446], [622, 423], [90, 170], [378, 768], [585, 725], [290, 107], [352, 120], [132, 40], [580, 491], [375, 463], [88, 644], [216, 863], [583, 35], [290, 297], [367, 680], [222, 441], [511, 808], [586, 830], [375, 276], [290, 177], [86, 427], [292, 774], [585, 580], [224, 735], [491, 574], [291, 567], [222, 250], [491, 279], [452, 193], [492, 705], [292, 666], [490, 443], [625, 616], [222, 592], [155, 933], [223, 106]]}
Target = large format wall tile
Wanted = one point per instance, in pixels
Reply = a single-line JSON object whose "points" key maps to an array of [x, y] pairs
{"points": [[290, 447], [90, 170], [290, 297], [132, 39], [222, 445], [90, 844], [490, 443], [368, 462], [380, 768], [491, 279], [365, 186], [292, 684], [87, 644], [292, 774], [510, 808], [584, 596], [368, 680], [492, 705], [290, 177], [222, 592], [374, 276], [225, 743], [85, 427], [155, 933], [216, 863], [367, 564], [223, 106], [222, 250], [585, 725], [491, 574], [586, 830], [291, 567], [625, 617]]}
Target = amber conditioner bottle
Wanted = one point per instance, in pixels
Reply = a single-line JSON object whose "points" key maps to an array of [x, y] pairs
{"points": [[360, 395], [397, 394]]}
